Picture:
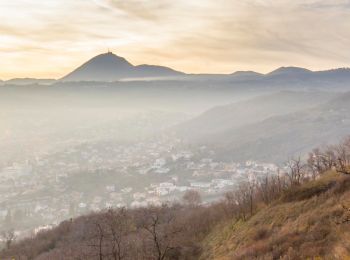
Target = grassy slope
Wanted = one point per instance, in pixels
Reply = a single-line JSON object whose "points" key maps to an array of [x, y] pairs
{"points": [[308, 222]]}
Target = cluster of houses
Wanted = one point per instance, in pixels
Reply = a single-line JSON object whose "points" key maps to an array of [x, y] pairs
{"points": [[57, 186]]}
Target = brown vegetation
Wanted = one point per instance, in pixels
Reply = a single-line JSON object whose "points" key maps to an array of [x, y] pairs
{"points": [[312, 226], [298, 214]]}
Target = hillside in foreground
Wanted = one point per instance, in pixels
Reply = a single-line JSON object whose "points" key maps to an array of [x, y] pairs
{"points": [[311, 221], [302, 213]]}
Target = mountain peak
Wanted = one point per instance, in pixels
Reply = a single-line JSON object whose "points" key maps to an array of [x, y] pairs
{"points": [[111, 67], [109, 58], [103, 67], [246, 75], [289, 70]]}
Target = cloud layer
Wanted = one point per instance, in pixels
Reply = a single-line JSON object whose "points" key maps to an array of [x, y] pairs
{"points": [[49, 38]]}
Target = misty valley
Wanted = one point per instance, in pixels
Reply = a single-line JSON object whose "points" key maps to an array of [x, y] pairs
{"points": [[150, 147], [175, 130], [70, 148]]}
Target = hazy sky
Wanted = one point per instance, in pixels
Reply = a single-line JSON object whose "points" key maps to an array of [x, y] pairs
{"points": [[48, 38]]}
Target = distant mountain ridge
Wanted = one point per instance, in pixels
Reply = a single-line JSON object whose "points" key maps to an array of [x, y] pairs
{"points": [[110, 67], [289, 71], [29, 81]]}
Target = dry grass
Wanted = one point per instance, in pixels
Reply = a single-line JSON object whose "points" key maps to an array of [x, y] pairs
{"points": [[309, 222]]}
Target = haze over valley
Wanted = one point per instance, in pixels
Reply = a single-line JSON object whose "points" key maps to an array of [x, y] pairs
{"points": [[70, 147], [202, 130]]}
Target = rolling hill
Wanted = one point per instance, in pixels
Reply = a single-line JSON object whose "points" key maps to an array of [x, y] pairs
{"points": [[228, 117], [282, 136]]}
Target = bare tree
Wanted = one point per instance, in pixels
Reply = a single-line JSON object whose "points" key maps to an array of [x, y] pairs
{"points": [[247, 189], [231, 205], [333, 157], [118, 226], [158, 223], [264, 188], [97, 239], [9, 237], [343, 157], [192, 198], [241, 200], [295, 171], [100, 240], [314, 163], [328, 158]]}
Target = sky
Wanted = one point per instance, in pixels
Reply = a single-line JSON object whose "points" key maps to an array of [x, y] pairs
{"points": [[48, 39]]}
